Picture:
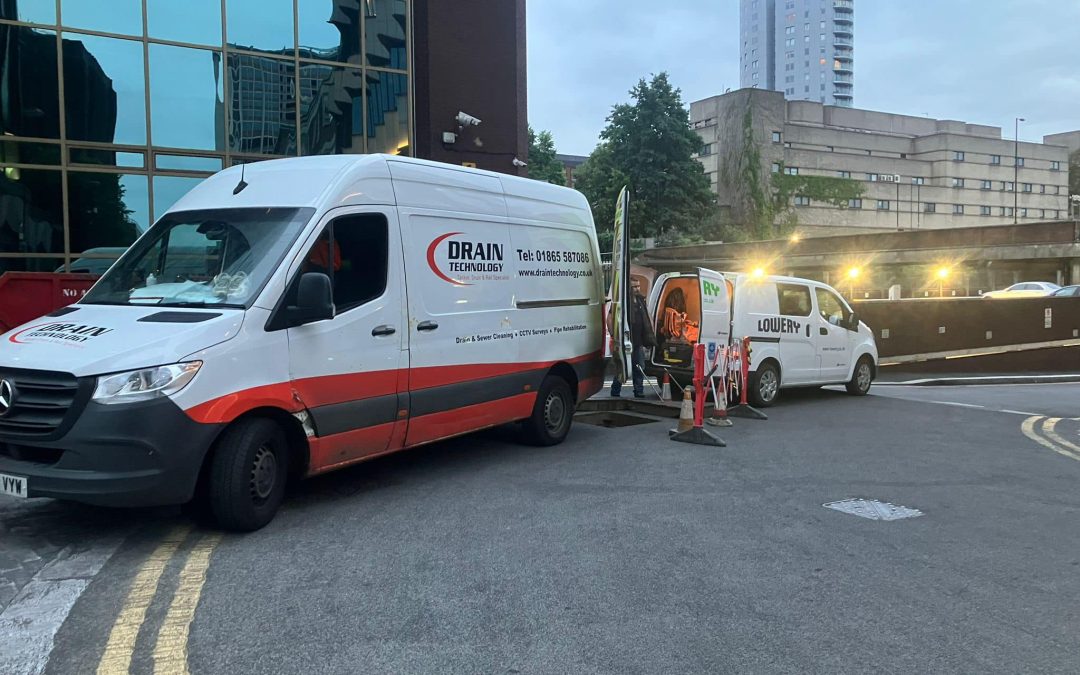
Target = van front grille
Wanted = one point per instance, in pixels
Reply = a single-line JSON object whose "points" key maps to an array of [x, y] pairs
{"points": [[37, 403]]}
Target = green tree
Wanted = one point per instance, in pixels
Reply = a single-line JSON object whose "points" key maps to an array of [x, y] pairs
{"points": [[648, 144], [543, 164]]}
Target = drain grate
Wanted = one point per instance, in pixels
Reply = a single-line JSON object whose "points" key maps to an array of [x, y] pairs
{"points": [[613, 419], [873, 509]]}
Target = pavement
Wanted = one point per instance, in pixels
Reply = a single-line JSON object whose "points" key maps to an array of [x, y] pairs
{"points": [[621, 552]]}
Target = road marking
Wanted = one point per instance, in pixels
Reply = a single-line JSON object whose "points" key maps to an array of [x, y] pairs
{"points": [[170, 653], [1020, 412], [1028, 428], [960, 405], [28, 625], [1050, 427], [125, 631]]}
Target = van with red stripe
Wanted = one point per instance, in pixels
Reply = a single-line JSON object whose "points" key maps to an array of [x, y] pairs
{"points": [[291, 317]]}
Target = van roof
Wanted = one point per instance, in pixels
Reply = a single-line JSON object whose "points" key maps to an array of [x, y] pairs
{"points": [[345, 180]]}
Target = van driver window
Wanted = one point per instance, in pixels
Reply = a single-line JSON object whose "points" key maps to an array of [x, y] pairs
{"points": [[356, 261], [832, 309], [794, 299]]}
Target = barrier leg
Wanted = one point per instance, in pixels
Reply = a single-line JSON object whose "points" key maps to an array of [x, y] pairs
{"points": [[744, 409], [698, 434]]}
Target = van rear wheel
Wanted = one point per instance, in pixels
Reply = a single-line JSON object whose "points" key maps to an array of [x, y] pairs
{"points": [[764, 385], [552, 413], [247, 475]]}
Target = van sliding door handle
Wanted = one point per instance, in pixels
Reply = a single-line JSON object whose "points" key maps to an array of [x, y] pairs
{"points": [[427, 325], [379, 331]]}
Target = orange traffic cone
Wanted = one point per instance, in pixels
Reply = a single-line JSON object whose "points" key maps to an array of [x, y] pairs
{"points": [[665, 392], [686, 413]]}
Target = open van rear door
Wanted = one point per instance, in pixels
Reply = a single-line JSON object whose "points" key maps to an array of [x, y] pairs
{"points": [[618, 319], [715, 311]]}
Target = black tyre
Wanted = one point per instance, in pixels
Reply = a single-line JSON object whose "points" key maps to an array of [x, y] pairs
{"points": [[552, 414], [862, 378], [247, 476], [764, 385]]}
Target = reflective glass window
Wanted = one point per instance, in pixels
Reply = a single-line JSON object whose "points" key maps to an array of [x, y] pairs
{"points": [[30, 106], [104, 89], [36, 11], [121, 16], [134, 160], [31, 220], [168, 190], [186, 98], [384, 33], [12, 152], [387, 113], [106, 209], [260, 25], [31, 265], [197, 21], [330, 109], [330, 30], [187, 163], [262, 99]]}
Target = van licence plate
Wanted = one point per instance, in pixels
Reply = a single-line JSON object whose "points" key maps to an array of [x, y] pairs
{"points": [[13, 485]]}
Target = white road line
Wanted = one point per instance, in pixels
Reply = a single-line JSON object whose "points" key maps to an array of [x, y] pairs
{"points": [[960, 405], [1020, 412], [29, 624]]}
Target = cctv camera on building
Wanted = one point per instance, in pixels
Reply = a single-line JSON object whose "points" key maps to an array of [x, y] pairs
{"points": [[518, 163], [467, 120]]}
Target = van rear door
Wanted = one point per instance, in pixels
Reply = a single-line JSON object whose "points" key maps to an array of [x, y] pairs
{"points": [[715, 311]]}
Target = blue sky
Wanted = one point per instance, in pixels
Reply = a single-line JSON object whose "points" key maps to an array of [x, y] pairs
{"points": [[981, 61]]}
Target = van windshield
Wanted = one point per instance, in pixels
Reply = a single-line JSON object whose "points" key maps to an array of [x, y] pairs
{"points": [[212, 258]]}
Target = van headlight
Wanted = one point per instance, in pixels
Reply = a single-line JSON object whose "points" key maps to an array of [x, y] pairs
{"points": [[145, 384]]}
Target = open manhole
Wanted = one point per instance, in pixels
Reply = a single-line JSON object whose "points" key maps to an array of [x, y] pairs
{"points": [[612, 419]]}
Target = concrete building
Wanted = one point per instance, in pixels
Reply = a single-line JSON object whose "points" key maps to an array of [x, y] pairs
{"points": [[804, 48], [571, 163], [914, 172], [112, 111]]}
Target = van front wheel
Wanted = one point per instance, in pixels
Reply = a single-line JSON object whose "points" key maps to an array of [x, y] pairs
{"points": [[764, 385], [861, 378], [247, 475], [552, 413]]}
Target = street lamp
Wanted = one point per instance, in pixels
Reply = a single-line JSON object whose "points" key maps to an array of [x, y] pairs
{"points": [[942, 274], [852, 275], [1016, 170]]}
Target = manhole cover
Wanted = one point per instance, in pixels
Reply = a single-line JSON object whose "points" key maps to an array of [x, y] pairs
{"points": [[613, 419], [873, 509]]}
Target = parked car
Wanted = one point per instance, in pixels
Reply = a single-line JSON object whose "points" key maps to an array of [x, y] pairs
{"points": [[1067, 292], [1026, 289]]}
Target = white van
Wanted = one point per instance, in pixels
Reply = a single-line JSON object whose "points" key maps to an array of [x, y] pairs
{"points": [[802, 332], [296, 316]]}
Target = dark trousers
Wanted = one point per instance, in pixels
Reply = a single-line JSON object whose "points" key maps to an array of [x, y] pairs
{"points": [[637, 362]]}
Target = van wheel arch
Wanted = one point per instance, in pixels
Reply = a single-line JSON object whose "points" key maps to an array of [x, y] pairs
{"points": [[299, 451], [565, 372]]}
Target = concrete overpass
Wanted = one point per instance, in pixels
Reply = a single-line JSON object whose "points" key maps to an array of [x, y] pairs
{"points": [[978, 258]]}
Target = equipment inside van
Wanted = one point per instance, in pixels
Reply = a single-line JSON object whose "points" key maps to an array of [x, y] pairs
{"points": [[802, 332]]}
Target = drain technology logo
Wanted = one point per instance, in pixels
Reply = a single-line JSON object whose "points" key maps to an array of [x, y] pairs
{"points": [[71, 333], [461, 262]]}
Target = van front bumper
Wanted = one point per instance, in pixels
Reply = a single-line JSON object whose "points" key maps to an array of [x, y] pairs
{"points": [[138, 454]]}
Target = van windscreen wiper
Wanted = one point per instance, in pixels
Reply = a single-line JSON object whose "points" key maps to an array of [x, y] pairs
{"points": [[197, 303]]}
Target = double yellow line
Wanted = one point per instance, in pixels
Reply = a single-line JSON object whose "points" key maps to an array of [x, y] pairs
{"points": [[1043, 430], [170, 649]]}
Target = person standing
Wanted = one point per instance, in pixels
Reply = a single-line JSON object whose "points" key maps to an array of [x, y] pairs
{"points": [[641, 336]]}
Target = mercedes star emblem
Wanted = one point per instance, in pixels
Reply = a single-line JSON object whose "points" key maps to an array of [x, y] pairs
{"points": [[7, 396]]}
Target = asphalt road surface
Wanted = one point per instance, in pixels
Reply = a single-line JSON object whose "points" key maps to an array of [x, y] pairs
{"points": [[616, 552]]}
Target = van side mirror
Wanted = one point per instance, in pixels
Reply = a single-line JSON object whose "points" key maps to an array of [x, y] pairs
{"points": [[314, 299], [853, 322]]}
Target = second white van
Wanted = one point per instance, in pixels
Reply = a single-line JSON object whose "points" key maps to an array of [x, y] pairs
{"points": [[802, 332]]}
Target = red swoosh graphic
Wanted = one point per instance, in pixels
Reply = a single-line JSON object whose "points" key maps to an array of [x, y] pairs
{"points": [[431, 259], [12, 337]]}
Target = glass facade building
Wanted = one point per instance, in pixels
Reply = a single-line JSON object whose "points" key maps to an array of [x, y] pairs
{"points": [[113, 109]]}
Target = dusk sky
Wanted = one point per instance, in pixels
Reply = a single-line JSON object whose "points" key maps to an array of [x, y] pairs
{"points": [[980, 61]]}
